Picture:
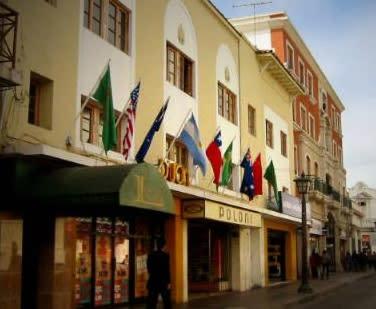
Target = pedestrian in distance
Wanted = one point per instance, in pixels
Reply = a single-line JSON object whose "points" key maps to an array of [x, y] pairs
{"points": [[373, 258], [355, 263], [348, 262], [313, 264], [158, 264], [325, 265]]}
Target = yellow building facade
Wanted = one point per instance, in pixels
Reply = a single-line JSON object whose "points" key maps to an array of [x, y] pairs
{"points": [[182, 50]]}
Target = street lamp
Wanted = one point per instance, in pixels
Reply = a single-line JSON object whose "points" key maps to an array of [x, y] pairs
{"points": [[302, 184]]}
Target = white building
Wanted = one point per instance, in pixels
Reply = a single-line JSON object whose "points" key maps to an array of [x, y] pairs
{"points": [[364, 198]]}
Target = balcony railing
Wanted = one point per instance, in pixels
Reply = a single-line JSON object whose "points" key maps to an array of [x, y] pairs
{"points": [[326, 189]]}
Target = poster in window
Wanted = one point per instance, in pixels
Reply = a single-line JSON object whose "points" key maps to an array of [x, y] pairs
{"points": [[141, 269], [83, 261], [103, 262], [121, 288]]}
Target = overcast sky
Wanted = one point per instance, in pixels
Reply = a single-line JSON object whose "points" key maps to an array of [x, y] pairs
{"points": [[341, 35]]}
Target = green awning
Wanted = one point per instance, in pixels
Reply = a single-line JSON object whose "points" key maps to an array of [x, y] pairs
{"points": [[135, 185]]}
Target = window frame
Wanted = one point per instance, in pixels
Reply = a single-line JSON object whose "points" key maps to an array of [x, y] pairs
{"points": [[180, 70], [251, 120], [303, 124], [333, 117], [309, 85], [269, 133], [228, 103], [96, 111], [288, 45], [296, 160], [283, 137], [311, 125], [104, 24], [301, 74], [181, 151]]}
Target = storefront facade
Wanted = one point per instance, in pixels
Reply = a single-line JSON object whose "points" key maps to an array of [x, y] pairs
{"points": [[78, 241], [220, 253], [280, 251]]}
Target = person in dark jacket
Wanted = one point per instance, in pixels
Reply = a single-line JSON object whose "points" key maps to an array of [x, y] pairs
{"points": [[158, 264]]}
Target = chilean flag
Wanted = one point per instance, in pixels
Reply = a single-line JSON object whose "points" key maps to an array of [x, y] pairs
{"points": [[215, 157]]}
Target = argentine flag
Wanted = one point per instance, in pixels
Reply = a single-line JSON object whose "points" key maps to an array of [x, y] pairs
{"points": [[190, 136]]}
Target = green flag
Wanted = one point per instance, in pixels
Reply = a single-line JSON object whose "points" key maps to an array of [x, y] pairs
{"points": [[270, 177], [227, 166], [103, 95]]}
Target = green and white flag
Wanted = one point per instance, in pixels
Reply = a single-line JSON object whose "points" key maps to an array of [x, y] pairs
{"points": [[103, 94], [272, 179], [227, 166]]}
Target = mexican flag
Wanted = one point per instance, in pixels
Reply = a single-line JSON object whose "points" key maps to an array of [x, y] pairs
{"points": [[227, 166], [103, 94]]}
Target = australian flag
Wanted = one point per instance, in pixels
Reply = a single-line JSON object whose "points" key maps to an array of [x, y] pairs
{"points": [[247, 186], [149, 137]]}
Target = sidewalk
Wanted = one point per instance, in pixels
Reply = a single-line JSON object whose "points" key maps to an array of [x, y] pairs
{"points": [[276, 297]]}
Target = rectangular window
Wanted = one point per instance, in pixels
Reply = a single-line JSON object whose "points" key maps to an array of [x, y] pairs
{"points": [[333, 117], [340, 155], [310, 83], [178, 153], [294, 110], [290, 57], [301, 73], [311, 126], [102, 259], [40, 101], [118, 25], [269, 133], [226, 103], [296, 160], [251, 120], [92, 125], [179, 70], [96, 17], [117, 22], [283, 144], [303, 118], [334, 152]]}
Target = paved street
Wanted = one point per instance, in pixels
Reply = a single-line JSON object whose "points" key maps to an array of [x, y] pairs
{"points": [[355, 289], [360, 294]]}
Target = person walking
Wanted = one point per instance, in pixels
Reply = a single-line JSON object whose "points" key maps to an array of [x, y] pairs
{"points": [[325, 265], [348, 261], [313, 264], [158, 264]]}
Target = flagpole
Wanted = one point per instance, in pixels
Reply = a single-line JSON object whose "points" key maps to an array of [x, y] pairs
{"points": [[125, 107], [122, 113], [92, 90], [177, 135], [90, 94]]}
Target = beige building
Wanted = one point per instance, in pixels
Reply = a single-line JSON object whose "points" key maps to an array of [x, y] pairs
{"points": [[85, 221]]}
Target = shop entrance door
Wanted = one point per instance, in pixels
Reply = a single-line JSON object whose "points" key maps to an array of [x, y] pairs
{"points": [[276, 256], [208, 257]]}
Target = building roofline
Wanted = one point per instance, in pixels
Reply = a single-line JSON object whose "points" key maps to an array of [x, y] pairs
{"points": [[274, 21]]}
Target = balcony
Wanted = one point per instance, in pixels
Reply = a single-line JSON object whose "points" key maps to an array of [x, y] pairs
{"points": [[9, 77], [321, 190]]}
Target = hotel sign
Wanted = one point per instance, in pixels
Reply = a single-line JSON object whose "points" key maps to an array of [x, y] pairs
{"points": [[219, 212]]}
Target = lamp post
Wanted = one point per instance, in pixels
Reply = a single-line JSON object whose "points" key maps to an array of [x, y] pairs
{"points": [[302, 184]]}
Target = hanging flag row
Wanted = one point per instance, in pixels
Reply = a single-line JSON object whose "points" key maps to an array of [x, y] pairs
{"points": [[189, 134]]}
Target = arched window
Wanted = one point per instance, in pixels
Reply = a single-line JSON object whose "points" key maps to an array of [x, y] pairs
{"points": [[308, 165], [316, 171]]}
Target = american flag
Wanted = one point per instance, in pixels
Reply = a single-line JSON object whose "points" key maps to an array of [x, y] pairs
{"points": [[130, 113]]}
